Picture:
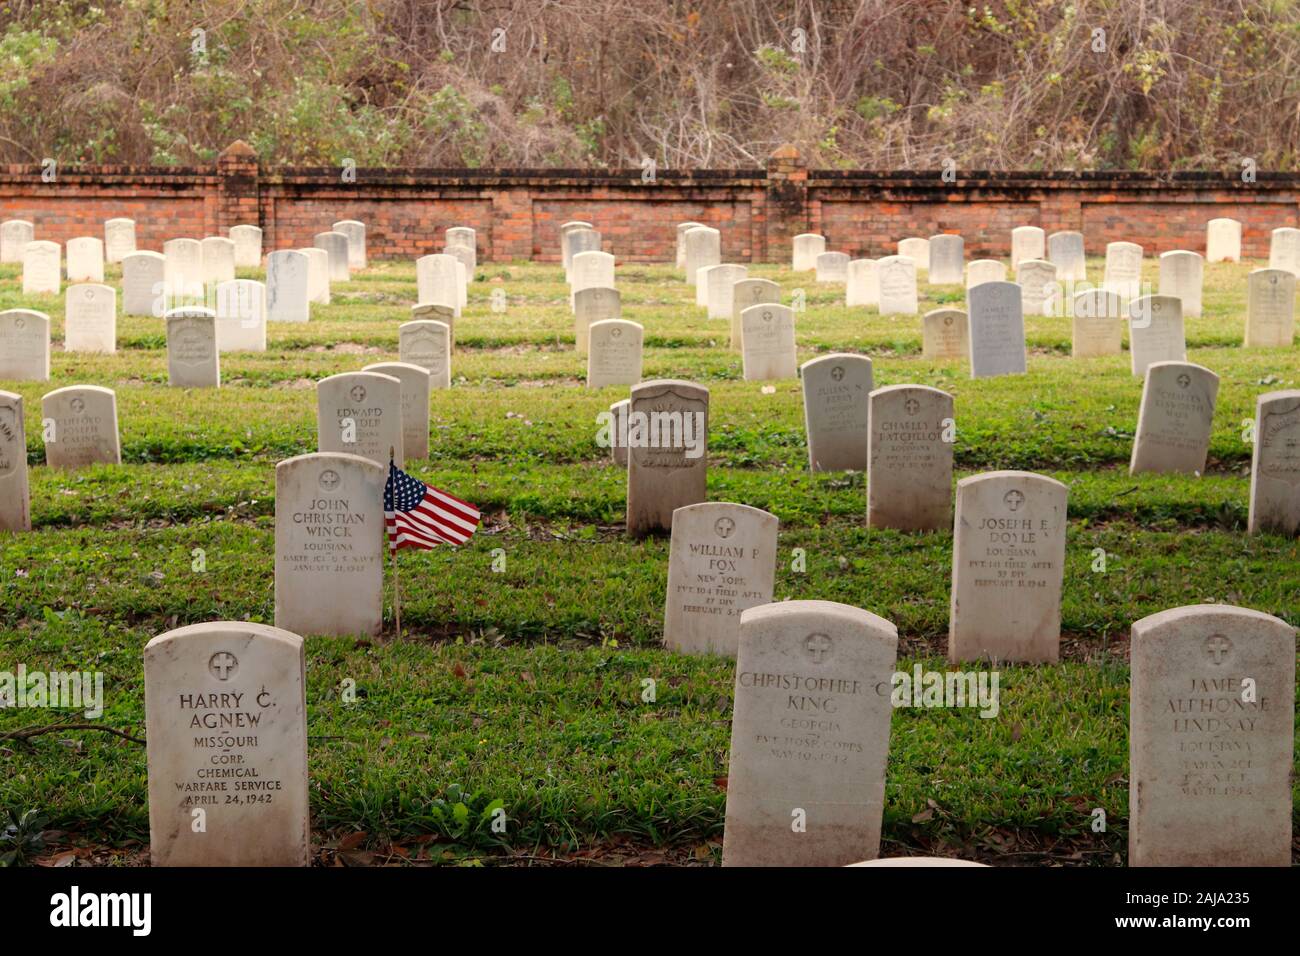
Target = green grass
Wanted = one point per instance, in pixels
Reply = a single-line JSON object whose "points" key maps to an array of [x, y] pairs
{"points": [[525, 686]]}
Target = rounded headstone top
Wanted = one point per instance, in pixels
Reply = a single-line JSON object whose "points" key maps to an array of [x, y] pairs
{"points": [[1011, 474], [919, 861], [820, 360], [845, 613], [211, 628]]}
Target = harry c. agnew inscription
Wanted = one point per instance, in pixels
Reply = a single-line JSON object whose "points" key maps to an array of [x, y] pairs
{"points": [[809, 736], [722, 561], [329, 544], [1211, 738], [226, 718]]}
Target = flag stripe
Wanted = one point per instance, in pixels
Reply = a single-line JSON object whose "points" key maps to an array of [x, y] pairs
{"points": [[419, 516]]}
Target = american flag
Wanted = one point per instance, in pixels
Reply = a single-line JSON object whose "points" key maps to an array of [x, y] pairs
{"points": [[419, 516]]}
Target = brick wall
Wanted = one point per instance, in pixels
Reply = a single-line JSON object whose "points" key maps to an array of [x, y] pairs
{"points": [[758, 211]]}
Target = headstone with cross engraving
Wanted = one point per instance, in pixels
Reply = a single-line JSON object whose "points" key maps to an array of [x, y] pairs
{"points": [[24, 346], [896, 276], [909, 472], [90, 319], [862, 283], [809, 735], [722, 560], [1174, 422], [580, 239], [985, 270], [15, 499], [248, 245], [591, 306], [119, 239], [996, 336], [805, 248], [745, 293], [226, 721], [1123, 271], [1155, 332], [667, 439], [85, 259], [1223, 240], [1211, 738], [767, 343], [590, 270], [1065, 251], [1275, 464], [832, 267], [427, 343], [944, 334], [329, 544], [81, 427], [1182, 275], [415, 390], [1097, 324], [360, 413], [143, 282], [14, 236], [41, 274], [835, 390], [1270, 308], [193, 358], [614, 353], [1008, 557], [1027, 242], [916, 249], [703, 246]]}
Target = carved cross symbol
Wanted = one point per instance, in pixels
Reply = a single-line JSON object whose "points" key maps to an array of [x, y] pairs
{"points": [[1014, 499], [767, 316], [222, 664], [837, 372], [912, 406], [329, 479], [358, 393], [1184, 380], [818, 645], [1217, 647]]}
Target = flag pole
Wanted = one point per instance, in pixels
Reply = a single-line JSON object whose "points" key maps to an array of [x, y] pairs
{"points": [[397, 593]]}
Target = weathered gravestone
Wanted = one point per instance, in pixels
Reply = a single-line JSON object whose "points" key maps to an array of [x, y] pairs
{"points": [[896, 276], [143, 282], [329, 544], [703, 248], [85, 259], [582, 239], [287, 287], [997, 330], [241, 316], [668, 444], [427, 343], [1065, 251], [767, 342], [182, 273], [335, 245], [24, 346], [355, 233], [90, 319], [41, 268], [835, 390], [1155, 332], [680, 255], [590, 270], [862, 283], [119, 239], [193, 359], [14, 236], [1123, 270], [467, 256], [218, 254], [1097, 327], [719, 286], [809, 735], [416, 384], [1182, 276], [1270, 308], [746, 293], [944, 334], [1027, 242], [832, 267], [804, 249], [464, 238], [226, 720], [1008, 557], [1223, 240], [15, 498], [248, 246], [593, 305], [318, 275], [618, 438], [916, 249], [566, 228], [1275, 464], [1040, 293], [1211, 738], [360, 413], [947, 258], [614, 353], [909, 453], [985, 270], [722, 560], [1177, 412], [436, 281], [81, 427], [1284, 250]]}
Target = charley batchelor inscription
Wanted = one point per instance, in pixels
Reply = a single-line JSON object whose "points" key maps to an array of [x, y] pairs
{"points": [[909, 473], [722, 560], [226, 718], [809, 735]]}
